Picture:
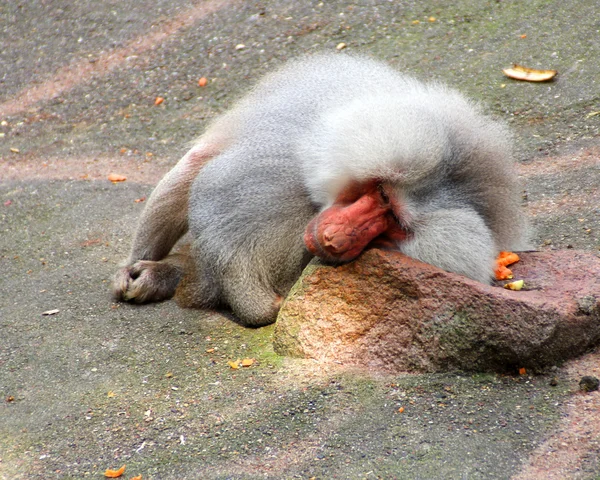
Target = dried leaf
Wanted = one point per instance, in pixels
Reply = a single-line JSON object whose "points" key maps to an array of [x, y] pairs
{"points": [[519, 72], [516, 285], [114, 473], [139, 477], [522, 371], [115, 178], [15, 150], [111, 394]]}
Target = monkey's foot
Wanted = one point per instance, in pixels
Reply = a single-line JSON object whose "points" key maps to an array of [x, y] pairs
{"points": [[146, 281]]}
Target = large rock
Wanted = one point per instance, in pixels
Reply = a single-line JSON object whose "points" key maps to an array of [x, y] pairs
{"points": [[390, 312]]}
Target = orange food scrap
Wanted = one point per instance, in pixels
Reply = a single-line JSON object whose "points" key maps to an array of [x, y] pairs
{"points": [[502, 261], [401, 410], [115, 178], [202, 82], [114, 473], [507, 258], [247, 362], [502, 273], [159, 100], [522, 371]]}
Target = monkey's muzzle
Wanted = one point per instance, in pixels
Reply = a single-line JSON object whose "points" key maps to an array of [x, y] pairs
{"points": [[341, 232]]}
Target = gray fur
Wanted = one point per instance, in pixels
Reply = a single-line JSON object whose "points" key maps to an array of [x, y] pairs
{"points": [[283, 154]]}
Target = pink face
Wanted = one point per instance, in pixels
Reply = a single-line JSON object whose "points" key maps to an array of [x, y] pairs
{"points": [[364, 214]]}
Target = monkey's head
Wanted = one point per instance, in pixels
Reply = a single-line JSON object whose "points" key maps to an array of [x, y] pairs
{"points": [[359, 162]]}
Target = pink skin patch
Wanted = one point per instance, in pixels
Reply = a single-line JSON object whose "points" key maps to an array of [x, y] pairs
{"points": [[362, 215]]}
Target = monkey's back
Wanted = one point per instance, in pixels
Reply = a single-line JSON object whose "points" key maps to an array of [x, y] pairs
{"points": [[253, 200]]}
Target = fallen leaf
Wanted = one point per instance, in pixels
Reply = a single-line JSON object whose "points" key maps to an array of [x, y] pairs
{"points": [[522, 371], [524, 35], [115, 178], [234, 365], [111, 394], [202, 82], [158, 100], [516, 285], [114, 473], [139, 477], [519, 72], [431, 19], [401, 410], [246, 362], [340, 46], [10, 398], [168, 374], [51, 312], [592, 114]]}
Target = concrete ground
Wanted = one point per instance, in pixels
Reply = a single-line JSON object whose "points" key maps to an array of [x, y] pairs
{"points": [[99, 385]]}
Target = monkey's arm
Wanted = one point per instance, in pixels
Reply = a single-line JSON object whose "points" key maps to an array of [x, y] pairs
{"points": [[150, 273]]}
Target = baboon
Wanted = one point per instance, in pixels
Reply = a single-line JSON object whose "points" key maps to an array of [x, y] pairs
{"points": [[328, 155]]}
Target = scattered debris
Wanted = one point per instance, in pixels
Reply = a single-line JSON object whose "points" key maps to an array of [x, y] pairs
{"points": [[114, 473], [51, 312], [116, 178], [516, 285], [202, 82], [519, 72], [158, 100], [503, 260]]}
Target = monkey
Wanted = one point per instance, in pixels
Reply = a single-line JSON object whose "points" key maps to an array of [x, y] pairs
{"points": [[326, 156]]}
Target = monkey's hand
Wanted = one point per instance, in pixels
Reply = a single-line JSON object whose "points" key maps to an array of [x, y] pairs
{"points": [[147, 281]]}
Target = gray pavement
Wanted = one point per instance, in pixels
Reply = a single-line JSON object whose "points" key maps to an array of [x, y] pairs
{"points": [[99, 385]]}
